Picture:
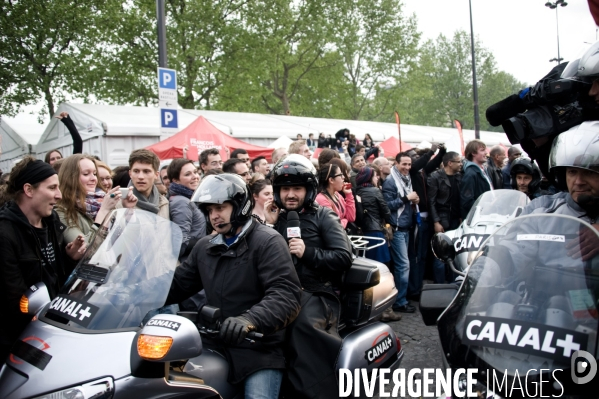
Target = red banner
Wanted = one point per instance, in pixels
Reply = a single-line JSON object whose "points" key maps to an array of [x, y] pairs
{"points": [[458, 125], [398, 130]]}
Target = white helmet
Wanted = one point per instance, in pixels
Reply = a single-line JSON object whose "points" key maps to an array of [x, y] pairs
{"points": [[586, 68], [578, 148]]}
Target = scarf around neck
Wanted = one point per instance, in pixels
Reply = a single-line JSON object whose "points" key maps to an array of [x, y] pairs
{"points": [[405, 182], [179, 189], [150, 204], [93, 203]]}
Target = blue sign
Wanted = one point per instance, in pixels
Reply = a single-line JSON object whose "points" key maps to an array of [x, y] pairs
{"points": [[168, 118], [167, 78]]}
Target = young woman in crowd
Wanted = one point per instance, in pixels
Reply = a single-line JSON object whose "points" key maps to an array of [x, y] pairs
{"points": [[332, 180], [83, 206], [263, 202], [376, 211], [104, 176], [368, 142], [52, 156], [184, 179]]}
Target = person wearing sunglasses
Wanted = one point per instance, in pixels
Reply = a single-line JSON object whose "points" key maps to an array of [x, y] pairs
{"points": [[331, 181], [238, 167]]}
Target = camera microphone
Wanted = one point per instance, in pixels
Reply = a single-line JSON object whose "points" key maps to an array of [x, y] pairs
{"points": [[508, 107], [221, 225]]}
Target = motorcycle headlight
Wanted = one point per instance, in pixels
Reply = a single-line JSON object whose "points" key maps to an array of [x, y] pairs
{"points": [[99, 389]]}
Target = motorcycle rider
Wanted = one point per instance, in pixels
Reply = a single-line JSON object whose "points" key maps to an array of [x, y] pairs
{"points": [[526, 177], [247, 272], [574, 160], [321, 255]]}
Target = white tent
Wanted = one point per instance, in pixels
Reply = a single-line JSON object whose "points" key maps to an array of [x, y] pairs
{"points": [[281, 142], [19, 137], [112, 132]]}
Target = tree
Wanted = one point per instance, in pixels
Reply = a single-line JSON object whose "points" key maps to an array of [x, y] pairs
{"points": [[288, 46], [378, 45], [439, 89], [44, 44]]}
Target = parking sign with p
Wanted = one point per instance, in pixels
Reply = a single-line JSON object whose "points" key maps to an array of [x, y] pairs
{"points": [[167, 78]]}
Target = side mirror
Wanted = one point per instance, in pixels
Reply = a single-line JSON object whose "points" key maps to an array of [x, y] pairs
{"points": [[434, 299], [34, 299], [442, 247], [167, 338]]}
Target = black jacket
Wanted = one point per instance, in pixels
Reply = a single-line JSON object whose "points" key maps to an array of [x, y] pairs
{"points": [[439, 195], [495, 175], [21, 267], [77, 140], [421, 168], [328, 250], [474, 183], [254, 277], [376, 211], [313, 342]]}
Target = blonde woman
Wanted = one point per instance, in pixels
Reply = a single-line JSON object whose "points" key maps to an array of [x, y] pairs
{"points": [[83, 206], [104, 176]]}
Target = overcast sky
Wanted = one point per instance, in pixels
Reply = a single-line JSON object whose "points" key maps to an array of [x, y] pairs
{"points": [[520, 33]]}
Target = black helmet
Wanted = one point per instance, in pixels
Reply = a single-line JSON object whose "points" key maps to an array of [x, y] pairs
{"points": [[226, 187], [527, 166], [295, 170]]}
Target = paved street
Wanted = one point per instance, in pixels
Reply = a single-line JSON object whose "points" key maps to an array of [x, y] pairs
{"points": [[419, 342]]}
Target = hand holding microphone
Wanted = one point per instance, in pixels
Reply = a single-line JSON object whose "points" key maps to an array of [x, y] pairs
{"points": [[294, 236]]}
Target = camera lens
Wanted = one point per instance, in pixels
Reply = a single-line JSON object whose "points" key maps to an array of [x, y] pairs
{"points": [[515, 129]]}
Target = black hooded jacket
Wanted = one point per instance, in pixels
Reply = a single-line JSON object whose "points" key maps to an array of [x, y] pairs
{"points": [[21, 267]]}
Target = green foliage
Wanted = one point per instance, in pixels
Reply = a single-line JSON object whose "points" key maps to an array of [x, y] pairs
{"points": [[45, 46], [440, 89], [346, 59]]}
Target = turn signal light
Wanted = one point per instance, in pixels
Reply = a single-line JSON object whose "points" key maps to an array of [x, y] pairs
{"points": [[153, 347], [24, 305]]}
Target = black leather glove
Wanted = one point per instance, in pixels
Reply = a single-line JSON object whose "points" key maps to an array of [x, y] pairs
{"points": [[235, 329]]}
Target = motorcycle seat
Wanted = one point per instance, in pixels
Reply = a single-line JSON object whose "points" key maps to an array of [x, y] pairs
{"points": [[360, 276]]}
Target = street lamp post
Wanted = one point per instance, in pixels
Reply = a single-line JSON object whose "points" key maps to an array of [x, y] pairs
{"points": [[552, 6], [474, 84], [162, 59]]}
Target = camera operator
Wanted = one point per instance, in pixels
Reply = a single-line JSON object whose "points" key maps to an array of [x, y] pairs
{"points": [[576, 167], [567, 96]]}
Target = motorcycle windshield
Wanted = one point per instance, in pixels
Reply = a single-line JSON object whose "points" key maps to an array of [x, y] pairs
{"points": [[529, 300], [500, 203], [125, 272]]}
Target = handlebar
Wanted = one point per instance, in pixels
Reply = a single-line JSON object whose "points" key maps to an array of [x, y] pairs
{"points": [[456, 271], [360, 244]]}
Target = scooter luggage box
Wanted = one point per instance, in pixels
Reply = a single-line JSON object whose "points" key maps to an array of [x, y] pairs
{"points": [[434, 299]]}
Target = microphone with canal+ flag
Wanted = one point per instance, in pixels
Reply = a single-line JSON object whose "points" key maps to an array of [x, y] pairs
{"points": [[293, 229]]}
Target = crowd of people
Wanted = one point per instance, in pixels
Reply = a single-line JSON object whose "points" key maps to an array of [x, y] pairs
{"points": [[51, 209]]}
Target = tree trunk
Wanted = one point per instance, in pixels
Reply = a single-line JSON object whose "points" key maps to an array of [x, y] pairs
{"points": [[49, 101]]}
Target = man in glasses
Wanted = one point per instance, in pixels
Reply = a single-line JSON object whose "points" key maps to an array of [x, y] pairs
{"points": [[238, 167], [210, 159], [444, 201]]}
